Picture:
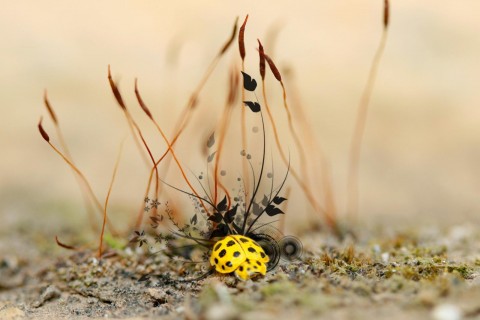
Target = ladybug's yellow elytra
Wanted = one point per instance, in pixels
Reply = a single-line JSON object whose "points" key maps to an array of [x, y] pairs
{"points": [[239, 254]]}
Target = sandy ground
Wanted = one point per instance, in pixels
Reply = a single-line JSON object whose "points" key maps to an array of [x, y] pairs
{"points": [[394, 273]]}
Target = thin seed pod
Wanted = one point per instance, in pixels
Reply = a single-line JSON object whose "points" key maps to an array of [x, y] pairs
{"points": [[131, 124], [232, 37], [262, 59], [233, 88], [241, 39], [49, 108], [141, 103], [386, 13], [42, 131], [115, 90], [273, 68]]}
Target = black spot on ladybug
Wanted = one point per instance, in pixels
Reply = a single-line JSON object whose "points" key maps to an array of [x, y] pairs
{"points": [[244, 240], [240, 268], [248, 260], [258, 262], [229, 264], [255, 267], [230, 243], [222, 253], [218, 246], [223, 267], [236, 254], [262, 254], [216, 261], [252, 249], [248, 269]]}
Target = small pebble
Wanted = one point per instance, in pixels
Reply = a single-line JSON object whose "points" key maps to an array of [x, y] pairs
{"points": [[446, 312]]}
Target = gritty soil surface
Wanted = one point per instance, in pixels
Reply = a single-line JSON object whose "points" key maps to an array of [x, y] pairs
{"points": [[426, 273]]}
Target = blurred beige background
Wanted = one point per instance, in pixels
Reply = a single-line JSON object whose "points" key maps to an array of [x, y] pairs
{"points": [[421, 152]]}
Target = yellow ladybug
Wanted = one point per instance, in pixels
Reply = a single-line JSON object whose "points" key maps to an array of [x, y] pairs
{"points": [[239, 254]]}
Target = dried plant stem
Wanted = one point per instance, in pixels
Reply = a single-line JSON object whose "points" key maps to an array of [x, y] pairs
{"points": [[243, 121], [321, 170], [192, 102], [327, 186], [296, 138], [359, 130], [169, 147], [331, 221], [119, 99], [139, 219], [133, 128], [85, 181], [246, 176], [224, 123], [115, 169], [182, 171], [187, 112], [66, 151], [63, 245]]}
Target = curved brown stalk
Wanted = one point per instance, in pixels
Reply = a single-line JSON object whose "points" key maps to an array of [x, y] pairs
{"points": [[243, 120], [63, 245], [75, 169], [133, 126], [361, 119], [66, 151], [321, 171], [301, 181]]}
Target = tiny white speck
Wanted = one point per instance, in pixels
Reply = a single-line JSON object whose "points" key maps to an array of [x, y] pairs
{"points": [[446, 312]]}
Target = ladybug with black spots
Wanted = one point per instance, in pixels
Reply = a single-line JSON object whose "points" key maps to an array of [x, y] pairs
{"points": [[239, 254]]}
